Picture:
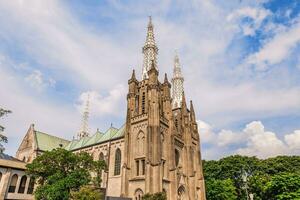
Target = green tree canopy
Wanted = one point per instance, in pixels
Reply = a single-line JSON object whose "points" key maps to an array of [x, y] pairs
{"points": [[3, 138], [156, 196], [58, 172], [220, 189], [253, 175]]}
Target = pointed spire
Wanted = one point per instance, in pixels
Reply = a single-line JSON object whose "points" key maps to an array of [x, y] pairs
{"points": [[84, 132], [166, 78], [192, 112], [133, 75], [149, 50], [177, 83], [183, 101]]}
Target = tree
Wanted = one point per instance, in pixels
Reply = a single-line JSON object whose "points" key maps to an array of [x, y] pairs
{"points": [[156, 196], [87, 193], [233, 168], [3, 138], [59, 172], [98, 168], [284, 186], [220, 190]]}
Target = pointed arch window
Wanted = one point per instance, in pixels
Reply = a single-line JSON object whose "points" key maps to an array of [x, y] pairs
{"points": [[138, 195], [192, 158], [13, 183], [22, 184], [31, 186], [140, 143], [177, 157], [117, 170], [101, 156], [143, 103]]}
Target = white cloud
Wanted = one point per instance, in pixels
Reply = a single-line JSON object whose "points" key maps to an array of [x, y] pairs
{"points": [[37, 80], [101, 105], [27, 108], [261, 143], [256, 14], [277, 49], [293, 140], [254, 140], [96, 59]]}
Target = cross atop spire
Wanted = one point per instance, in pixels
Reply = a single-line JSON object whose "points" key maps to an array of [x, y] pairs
{"points": [[84, 130], [177, 83], [149, 50]]}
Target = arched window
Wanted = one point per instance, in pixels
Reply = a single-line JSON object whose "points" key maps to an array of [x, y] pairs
{"points": [[192, 158], [101, 156], [117, 162], [143, 102], [31, 186], [22, 184], [181, 193], [137, 104], [138, 195], [13, 183], [176, 123], [177, 157], [140, 143]]}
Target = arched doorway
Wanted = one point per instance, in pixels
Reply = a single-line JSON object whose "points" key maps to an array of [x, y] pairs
{"points": [[181, 193], [138, 195]]}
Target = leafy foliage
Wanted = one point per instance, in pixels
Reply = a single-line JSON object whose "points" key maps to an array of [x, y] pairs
{"points": [[87, 193], [273, 178], [220, 189], [3, 138], [58, 172], [156, 196]]}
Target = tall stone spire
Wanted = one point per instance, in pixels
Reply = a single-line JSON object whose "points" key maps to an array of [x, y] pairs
{"points": [[149, 50], [84, 130], [177, 83]]}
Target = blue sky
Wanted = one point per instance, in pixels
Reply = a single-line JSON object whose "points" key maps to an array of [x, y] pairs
{"points": [[240, 60]]}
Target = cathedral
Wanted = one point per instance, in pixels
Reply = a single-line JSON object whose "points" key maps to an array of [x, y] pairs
{"points": [[156, 150]]}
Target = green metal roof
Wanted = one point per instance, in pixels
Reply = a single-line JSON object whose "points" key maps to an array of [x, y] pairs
{"points": [[98, 137], [46, 142]]}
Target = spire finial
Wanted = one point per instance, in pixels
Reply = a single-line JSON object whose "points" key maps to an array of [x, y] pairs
{"points": [[84, 131], [133, 75], [166, 78], [177, 82], [149, 50]]}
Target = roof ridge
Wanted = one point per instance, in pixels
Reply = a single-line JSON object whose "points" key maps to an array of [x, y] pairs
{"points": [[51, 135]]}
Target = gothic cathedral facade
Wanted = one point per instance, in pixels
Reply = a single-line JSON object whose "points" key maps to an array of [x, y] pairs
{"points": [[158, 147]]}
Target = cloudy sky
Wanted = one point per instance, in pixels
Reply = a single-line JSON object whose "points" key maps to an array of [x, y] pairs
{"points": [[240, 60]]}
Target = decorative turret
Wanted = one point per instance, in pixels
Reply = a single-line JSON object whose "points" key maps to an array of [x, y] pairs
{"points": [[84, 132], [166, 86], [153, 74], [192, 112], [149, 50], [177, 83]]}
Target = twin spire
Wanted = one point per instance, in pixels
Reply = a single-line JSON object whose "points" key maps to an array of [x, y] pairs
{"points": [[150, 51]]}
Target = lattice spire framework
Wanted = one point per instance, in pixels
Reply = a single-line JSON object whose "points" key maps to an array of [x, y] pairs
{"points": [[150, 51], [84, 130], [177, 83]]}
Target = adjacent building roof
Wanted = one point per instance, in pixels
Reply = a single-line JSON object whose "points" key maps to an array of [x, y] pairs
{"points": [[9, 161], [46, 142], [97, 138]]}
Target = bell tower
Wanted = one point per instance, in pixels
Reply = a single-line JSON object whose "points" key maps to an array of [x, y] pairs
{"points": [[160, 153]]}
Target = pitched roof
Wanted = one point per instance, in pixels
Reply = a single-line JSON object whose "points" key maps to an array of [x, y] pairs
{"points": [[98, 137], [46, 142]]}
